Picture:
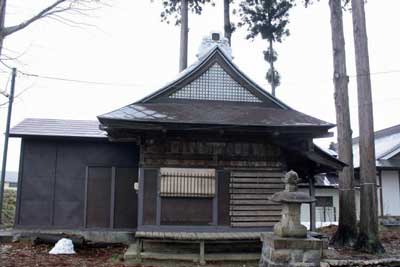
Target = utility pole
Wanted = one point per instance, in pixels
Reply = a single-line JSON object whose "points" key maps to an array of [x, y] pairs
{"points": [[346, 234], [6, 136], [368, 237]]}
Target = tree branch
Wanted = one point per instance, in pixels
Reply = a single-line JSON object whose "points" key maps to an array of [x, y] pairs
{"points": [[50, 10]]}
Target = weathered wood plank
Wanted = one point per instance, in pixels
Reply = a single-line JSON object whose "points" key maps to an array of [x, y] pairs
{"points": [[252, 191], [256, 219], [252, 224], [276, 186], [260, 207], [256, 213], [267, 180], [250, 196], [252, 202], [258, 174]]}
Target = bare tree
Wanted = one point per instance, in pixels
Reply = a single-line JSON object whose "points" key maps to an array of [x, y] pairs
{"points": [[368, 238], [346, 233], [51, 11]]}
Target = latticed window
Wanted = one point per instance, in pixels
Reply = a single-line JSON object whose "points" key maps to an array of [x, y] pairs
{"points": [[215, 84], [187, 182]]}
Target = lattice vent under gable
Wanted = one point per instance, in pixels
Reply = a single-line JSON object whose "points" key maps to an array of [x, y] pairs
{"points": [[215, 84]]}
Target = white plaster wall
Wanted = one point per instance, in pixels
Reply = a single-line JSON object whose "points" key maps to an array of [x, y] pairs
{"points": [[391, 193], [305, 208], [357, 195]]}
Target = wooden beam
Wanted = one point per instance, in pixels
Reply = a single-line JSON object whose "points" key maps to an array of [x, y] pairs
{"points": [[381, 191], [112, 196], [312, 204]]}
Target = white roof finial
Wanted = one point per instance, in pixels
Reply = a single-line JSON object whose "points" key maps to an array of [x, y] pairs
{"points": [[212, 40]]}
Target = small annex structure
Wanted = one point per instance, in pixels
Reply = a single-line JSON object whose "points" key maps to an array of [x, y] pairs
{"points": [[387, 159], [202, 154]]}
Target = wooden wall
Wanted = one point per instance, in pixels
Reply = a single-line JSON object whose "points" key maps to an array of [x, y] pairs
{"points": [[224, 156], [53, 181]]}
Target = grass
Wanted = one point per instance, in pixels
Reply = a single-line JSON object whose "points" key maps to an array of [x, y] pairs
{"points": [[10, 197]]}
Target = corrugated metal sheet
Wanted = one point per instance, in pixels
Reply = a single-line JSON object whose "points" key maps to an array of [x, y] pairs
{"points": [[216, 113], [54, 127]]}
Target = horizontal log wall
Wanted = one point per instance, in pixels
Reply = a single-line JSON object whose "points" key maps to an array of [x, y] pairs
{"points": [[249, 194]]}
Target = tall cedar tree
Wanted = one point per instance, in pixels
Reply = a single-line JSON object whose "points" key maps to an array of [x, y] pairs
{"points": [[346, 233], [368, 237], [178, 12], [269, 19], [54, 10], [228, 26]]}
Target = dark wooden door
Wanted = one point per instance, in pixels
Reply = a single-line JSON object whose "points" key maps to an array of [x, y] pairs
{"points": [[111, 200], [98, 198], [125, 209]]}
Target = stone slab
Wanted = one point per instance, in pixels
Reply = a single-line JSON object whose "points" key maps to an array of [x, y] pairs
{"points": [[276, 242]]}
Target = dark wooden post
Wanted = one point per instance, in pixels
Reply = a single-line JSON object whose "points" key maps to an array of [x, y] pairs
{"points": [[311, 184], [368, 239], [346, 233]]}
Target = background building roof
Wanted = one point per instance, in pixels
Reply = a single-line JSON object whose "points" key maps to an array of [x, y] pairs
{"points": [[387, 145], [58, 128]]}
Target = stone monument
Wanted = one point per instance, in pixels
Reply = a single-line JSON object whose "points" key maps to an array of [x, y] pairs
{"points": [[289, 245]]}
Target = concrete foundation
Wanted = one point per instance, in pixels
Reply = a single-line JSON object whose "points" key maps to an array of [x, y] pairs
{"points": [[90, 236]]}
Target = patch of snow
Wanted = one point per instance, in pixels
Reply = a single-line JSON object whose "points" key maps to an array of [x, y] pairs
{"points": [[319, 224], [63, 246], [326, 181]]}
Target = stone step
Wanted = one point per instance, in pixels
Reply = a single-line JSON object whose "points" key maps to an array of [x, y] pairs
{"points": [[130, 255]]}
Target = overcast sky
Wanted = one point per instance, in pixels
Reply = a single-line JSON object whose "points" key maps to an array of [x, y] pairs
{"points": [[135, 53]]}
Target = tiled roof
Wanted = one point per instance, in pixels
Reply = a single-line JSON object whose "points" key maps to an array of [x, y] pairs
{"points": [[58, 128], [216, 113]]}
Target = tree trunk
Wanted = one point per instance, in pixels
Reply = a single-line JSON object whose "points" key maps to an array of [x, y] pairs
{"points": [[227, 21], [346, 233], [184, 35], [368, 239], [3, 4], [271, 49]]}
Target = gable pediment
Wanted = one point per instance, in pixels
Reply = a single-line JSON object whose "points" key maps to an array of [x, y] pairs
{"points": [[215, 84]]}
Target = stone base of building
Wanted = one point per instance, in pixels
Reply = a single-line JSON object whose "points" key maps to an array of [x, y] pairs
{"points": [[291, 252]]}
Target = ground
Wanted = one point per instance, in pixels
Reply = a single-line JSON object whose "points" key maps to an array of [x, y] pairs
{"points": [[9, 208], [25, 254], [390, 239]]}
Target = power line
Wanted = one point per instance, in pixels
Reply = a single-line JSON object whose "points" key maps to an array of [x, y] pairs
{"points": [[79, 81]]}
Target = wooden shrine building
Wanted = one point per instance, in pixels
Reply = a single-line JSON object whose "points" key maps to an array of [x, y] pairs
{"points": [[202, 154]]}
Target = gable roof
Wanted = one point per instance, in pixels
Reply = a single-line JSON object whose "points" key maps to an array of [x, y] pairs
{"points": [[196, 96], [217, 113], [387, 146], [216, 56], [58, 128]]}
